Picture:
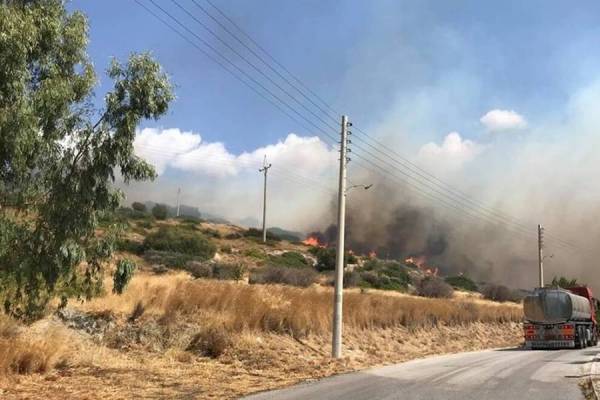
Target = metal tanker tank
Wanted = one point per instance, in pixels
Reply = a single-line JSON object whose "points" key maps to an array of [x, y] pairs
{"points": [[551, 306]]}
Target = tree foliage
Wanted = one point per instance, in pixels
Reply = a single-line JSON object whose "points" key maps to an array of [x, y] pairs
{"points": [[123, 275], [59, 155], [462, 282], [159, 211], [563, 282], [137, 206]]}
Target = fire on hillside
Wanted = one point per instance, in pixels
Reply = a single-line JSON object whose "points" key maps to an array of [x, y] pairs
{"points": [[313, 241], [420, 262]]}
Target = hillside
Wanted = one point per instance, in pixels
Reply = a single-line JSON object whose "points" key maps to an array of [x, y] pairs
{"points": [[212, 312]]}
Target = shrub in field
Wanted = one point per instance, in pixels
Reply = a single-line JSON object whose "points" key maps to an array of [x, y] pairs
{"points": [[461, 282], [199, 269], [352, 279], [212, 233], [499, 293], [190, 220], [384, 275], [137, 206], [223, 271], [177, 240], [130, 246], [226, 249], [233, 236], [123, 275], [284, 275], [326, 258], [145, 224], [229, 271], [20, 354], [168, 258], [255, 253], [257, 233], [160, 211], [432, 286], [291, 259], [211, 342]]}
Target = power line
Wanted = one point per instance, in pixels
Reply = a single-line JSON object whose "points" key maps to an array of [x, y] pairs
{"points": [[258, 56], [455, 195], [280, 65], [433, 188], [251, 64], [244, 73], [411, 166], [437, 200]]}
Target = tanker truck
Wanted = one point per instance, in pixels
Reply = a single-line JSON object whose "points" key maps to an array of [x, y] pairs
{"points": [[560, 318]]}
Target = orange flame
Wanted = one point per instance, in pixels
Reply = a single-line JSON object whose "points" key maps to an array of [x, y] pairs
{"points": [[312, 241], [420, 263]]}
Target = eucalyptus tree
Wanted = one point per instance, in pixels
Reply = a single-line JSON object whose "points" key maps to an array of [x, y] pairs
{"points": [[61, 150]]}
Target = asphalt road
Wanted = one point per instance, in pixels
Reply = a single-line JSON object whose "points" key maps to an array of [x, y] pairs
{"points": [[492, 374]]}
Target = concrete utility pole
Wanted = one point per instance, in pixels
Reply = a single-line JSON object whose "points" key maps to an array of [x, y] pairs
{"points": [[336, 347], [178, 194], [541, 253], [265, 169]]}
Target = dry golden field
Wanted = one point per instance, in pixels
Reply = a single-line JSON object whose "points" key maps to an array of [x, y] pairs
{"points": [[170, 336]]}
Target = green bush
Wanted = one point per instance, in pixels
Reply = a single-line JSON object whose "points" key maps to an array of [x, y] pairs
{"points": [[190, 220], [199, 269], [137, 206], [130, 246], [283, 275], [257, 233], [168, 258], [290, 259], [462, 282], [123, 275], [146, 224], [255, 253], [212, 233], [326, 258], [174, 239], [229, 271], [160, 211]]}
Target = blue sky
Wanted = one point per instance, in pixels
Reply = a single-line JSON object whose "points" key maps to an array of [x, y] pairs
{"points": [[499, 99], [365, 56]]}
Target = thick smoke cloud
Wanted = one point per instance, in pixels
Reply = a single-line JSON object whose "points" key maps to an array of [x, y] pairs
{"points": [[547, 174]]}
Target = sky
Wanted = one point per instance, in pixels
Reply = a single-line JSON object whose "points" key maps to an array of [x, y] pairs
{"points": [[498, 99]]}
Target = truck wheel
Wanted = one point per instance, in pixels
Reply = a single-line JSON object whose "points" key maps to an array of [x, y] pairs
{"points": [[578, 339]]}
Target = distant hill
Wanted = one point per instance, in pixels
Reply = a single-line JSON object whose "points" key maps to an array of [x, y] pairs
{"points": [[189, 211], [286, 235]]}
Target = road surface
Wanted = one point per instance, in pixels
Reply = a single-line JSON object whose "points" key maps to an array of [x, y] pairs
{"points": [[491, 374]]}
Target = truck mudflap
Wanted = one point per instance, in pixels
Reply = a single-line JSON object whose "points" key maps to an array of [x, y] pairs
{"points": [[550, 344]]}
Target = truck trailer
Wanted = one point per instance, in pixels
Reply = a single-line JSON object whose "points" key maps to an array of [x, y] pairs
{"points": [[560, 318]]}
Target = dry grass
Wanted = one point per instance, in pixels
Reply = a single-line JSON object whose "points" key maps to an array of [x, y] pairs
{"points": [[299, 312], [175, 337], [282, 309], [24, 353]]}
